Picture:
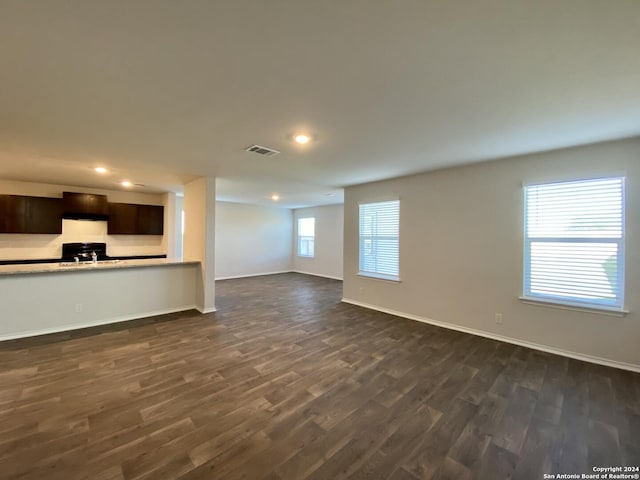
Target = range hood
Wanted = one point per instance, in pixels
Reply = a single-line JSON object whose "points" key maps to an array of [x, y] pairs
{"points": [[84, 206]]}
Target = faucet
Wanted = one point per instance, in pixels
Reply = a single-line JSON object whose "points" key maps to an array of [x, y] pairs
{"points": [[94, 258], [77, 260]]}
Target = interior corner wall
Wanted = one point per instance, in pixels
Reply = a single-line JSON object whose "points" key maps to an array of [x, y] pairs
{"points": [[199, 236], [177, 226], [461, 252], [328, 242], [252, 240], [169, 237]]}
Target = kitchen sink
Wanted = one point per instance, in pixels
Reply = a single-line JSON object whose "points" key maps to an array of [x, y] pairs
{"points": [[90, 264]]}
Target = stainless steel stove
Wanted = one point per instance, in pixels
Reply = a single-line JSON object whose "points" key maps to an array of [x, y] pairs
{"points": [[83, 252]]}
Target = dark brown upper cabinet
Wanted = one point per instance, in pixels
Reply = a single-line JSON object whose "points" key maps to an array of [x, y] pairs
{"points": [[123, 219], [22, 214], [4, 213], [151, 219], [133, 219], [85, 206]]}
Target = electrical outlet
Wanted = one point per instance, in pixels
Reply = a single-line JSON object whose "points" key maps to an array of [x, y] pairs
{"points": [[78, 307], [498, 318]]}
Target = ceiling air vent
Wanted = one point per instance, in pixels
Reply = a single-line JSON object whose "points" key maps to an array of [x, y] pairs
{"points": [[267, 152]]}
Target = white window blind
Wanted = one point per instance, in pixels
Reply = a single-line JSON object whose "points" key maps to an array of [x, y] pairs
{"points": [[574, 242], [379, 239], [306, 237]]}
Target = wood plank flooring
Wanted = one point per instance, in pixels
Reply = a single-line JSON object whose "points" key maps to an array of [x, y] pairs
{"points": [[285, 382]]}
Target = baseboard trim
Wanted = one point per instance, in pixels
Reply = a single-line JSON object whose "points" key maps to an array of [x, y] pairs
{"points": [[204, 311], [317, 275], [97, 323], [278, 273], [253, 275], [523, 343]]}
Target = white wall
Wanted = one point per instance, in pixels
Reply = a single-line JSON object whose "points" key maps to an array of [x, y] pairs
{"points": [[327, 261], [252, 240], [169, 240], [39, 303], [178, 226], [22, 246], [199, 237], [461, 250]]}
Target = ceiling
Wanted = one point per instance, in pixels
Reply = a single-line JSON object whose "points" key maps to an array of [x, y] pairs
{"points": [[161, 91]]}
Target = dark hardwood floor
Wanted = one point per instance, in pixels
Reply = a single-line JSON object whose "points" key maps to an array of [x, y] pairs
{"points": [[285, 382]]}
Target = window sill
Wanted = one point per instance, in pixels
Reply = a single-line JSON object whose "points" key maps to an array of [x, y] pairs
{"points": [[602, 310], [379, 276], [305, 256]]}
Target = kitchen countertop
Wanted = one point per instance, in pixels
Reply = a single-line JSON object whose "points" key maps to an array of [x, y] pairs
{"points": [[28, 261], [88, 266]]}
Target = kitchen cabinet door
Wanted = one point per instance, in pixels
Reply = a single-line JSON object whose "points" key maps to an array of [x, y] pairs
{"points": [[123, 219], [150, 219], [22, 214], [9, 217], [42, 215], [133, 219], [85, 205]]}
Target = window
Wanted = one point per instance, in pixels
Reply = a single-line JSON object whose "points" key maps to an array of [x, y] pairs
{"points": [[306, 236], [379, 239], [574, 243]]}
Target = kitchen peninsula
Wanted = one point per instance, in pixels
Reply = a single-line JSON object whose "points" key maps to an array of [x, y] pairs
{"points": [[49, 281], [38, 299]]}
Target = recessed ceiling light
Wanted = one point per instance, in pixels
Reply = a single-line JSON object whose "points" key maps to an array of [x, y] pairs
{"points": [[126, 183], [301, 138], [275, 197], [101, 170]]}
